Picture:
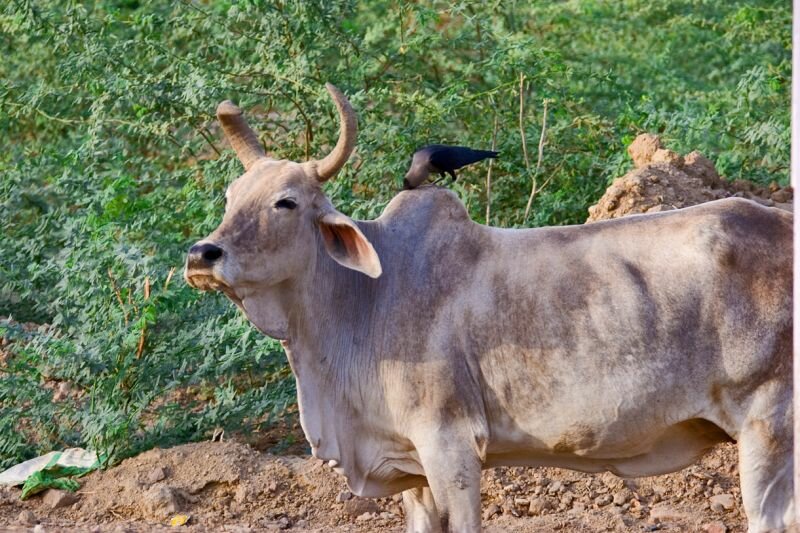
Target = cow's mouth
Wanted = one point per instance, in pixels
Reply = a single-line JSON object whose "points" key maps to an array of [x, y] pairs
{"points": [[207, 282]]}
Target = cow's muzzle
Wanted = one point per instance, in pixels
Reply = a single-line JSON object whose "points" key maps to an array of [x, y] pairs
{"points": [[203, 256], [200, 266]]}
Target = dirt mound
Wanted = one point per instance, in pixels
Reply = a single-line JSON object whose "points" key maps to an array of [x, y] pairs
{"points": [[664, 180], [221, 486], [232, 487]]}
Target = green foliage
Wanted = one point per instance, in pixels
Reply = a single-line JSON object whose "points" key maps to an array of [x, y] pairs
{"points": [[113, 164]]}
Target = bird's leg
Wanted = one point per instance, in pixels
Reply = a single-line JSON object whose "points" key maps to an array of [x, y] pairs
{"points": [[452, 174], [443, 175]]}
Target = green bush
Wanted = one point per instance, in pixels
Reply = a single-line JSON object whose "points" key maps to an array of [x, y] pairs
{"points": [[113, 164]]}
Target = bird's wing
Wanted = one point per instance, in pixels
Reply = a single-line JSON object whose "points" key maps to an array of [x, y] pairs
{"points": [[455, 157]]}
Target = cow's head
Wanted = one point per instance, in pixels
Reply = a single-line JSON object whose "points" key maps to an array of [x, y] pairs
{"points": [[274, 214]]}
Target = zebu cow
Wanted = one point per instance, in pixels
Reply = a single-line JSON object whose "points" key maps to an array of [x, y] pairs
{"points": [[426, 346]]}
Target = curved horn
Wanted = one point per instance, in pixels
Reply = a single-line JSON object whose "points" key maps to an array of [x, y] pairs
{"points": [[242, 138], [330, 165]]}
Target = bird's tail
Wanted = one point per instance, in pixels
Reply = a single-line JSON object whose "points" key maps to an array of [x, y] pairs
{"points": [[485, 154]]}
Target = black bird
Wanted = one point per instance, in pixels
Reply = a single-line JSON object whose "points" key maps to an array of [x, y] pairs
{"points": [[441, 159]]}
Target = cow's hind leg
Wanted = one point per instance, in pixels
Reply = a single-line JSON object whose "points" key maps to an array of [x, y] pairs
{"points": [[421, 514], [765, 461], [454, 476]]}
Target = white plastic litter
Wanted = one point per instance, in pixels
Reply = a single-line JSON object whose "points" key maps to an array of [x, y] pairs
{"points": [[17, 474]]}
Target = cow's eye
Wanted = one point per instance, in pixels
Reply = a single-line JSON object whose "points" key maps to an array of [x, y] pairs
{"points": [[285, 203]]}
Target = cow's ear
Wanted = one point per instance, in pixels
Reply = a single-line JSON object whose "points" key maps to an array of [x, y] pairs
{"points": [[347, 245]]}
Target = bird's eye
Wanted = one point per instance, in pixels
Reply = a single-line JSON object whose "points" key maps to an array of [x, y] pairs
{"points": [[285, 203]]}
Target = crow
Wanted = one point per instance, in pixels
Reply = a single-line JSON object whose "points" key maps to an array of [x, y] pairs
{"points": [[442, 159]]}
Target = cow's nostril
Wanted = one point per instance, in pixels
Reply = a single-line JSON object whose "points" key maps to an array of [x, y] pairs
{"points": [[212, 253], [206, 252]]}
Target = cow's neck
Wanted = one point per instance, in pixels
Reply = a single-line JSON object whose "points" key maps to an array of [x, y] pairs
{"points": [[329, 350]]}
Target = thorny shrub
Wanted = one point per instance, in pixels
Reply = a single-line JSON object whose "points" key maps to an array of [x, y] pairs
{"points": [[112, 164]]}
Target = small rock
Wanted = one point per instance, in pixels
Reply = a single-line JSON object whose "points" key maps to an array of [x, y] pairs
{"points": [[611, 481], [161, 501], [578, 508], [491, 511], [720, 502], [567, 498], [602, 501], [38, 528], [622, 496], [508, 507], [364, 517], [55, 498], [715, 527], [539, 506], [284, 523], [155, 475], [347, 495], [26, 518], [554, 487], [522, 502], [396, 498], [358, 506], [663, 513], [386, 515]]}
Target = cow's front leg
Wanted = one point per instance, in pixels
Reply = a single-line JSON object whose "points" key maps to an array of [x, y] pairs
{"points": [[420, 509], [454, 477]]}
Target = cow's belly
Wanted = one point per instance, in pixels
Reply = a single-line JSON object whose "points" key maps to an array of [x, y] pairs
{"points": [[627, 418], [675, 447]]}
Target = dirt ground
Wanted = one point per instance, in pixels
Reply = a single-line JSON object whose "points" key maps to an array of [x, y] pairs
{"points": [[233, 487], [229, 486]]}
